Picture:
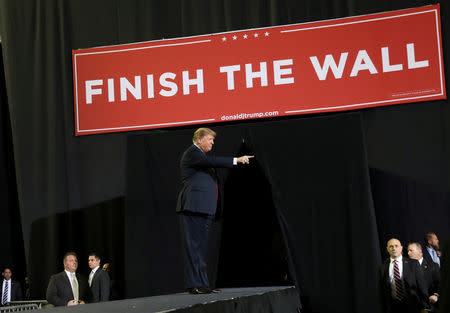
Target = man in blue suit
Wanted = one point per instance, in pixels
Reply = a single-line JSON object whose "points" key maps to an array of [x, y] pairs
{"points": [[431, 251], [197, 204]]}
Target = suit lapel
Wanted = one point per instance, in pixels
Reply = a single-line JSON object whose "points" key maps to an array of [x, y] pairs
{"points": [[424, 264], [406, 269], [12, 289], [97, 272], [67, 282], [79, 283]]}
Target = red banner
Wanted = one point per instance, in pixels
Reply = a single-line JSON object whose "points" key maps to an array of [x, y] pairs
{"points": [[332, 65]]}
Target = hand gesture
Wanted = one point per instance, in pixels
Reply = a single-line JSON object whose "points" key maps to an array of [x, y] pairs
{"points": [[245, 159]]}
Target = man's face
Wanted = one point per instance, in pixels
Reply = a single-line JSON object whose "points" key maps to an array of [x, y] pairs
{"points": [[434, 242], [71, 263], [206, 143], [414, 252], [7, 274], [93, 262], [394, 248], [106, 267]]}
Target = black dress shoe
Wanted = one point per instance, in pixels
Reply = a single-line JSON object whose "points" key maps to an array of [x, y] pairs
{"points": [[199, 290]]}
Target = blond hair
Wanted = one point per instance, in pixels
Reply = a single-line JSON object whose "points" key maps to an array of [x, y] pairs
{"points": [[202, 132]]}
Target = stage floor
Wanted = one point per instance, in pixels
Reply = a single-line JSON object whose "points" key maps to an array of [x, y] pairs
{"points": [[278, 299]]}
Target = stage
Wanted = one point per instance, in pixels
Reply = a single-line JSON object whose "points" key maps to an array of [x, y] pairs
{"points": [[283, 299]]}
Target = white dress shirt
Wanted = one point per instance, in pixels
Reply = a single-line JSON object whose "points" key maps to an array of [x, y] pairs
{"points": [[69, 274], [391, 273]]}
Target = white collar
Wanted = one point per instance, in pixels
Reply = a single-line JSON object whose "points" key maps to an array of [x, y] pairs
{"points": [[69, 274], [198, 147], [95, 269], [399, 259]]}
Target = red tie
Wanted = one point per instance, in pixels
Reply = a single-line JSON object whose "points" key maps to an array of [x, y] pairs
{"points": [[398, 283]]}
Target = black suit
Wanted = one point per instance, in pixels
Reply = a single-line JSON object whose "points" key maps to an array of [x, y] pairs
{"points": [[197, 203], [414, 288], [100, 286], [199, 189], [59, 290], [431, 274], [16, 290]]}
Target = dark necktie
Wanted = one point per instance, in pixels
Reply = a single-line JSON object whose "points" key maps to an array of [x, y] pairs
{"points": [[399, 293]]}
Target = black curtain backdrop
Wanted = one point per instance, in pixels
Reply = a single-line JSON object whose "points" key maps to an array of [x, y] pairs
{"points": [[11, 228], [252, 242], [153, 184], [318, 174], [61, 178], [320, 184], [421, 206]]}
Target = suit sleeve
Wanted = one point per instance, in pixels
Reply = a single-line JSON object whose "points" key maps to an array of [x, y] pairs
{"points": [[52, 293], [104, 286], [198, 159], [381, 289], [18, 292], [83, 288]]}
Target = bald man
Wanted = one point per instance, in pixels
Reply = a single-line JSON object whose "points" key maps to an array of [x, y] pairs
{"points": [[401, 283]]}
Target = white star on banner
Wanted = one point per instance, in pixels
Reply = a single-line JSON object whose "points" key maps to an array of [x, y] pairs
{"points": [[224, 38], [255, 35], [245, 36], [266, 34], [234, 37]]}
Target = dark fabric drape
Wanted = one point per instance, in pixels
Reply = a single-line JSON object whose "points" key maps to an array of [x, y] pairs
{"points": [[153, 183], [423, 207], [318, 172], [11, 229], [252, 242], [319, 181]]}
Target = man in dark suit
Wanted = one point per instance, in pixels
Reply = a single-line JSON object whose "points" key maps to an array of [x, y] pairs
{"points": [[68, 287], [197, 204], [401, 283], [431, 252], [98, 280], [430, 270], [11, 290]]}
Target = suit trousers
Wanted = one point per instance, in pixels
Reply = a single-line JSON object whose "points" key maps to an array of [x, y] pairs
{"points": [[402, 307], [195, 233]]}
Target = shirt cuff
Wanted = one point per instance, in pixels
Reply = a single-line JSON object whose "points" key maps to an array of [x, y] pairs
{"points": [[234, 161]]}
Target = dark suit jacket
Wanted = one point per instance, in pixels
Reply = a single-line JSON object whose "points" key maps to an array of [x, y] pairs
{"points": [[415, 287], [431, 274], [59, 290], [199, 191], [16, 290], [100, 286]]}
